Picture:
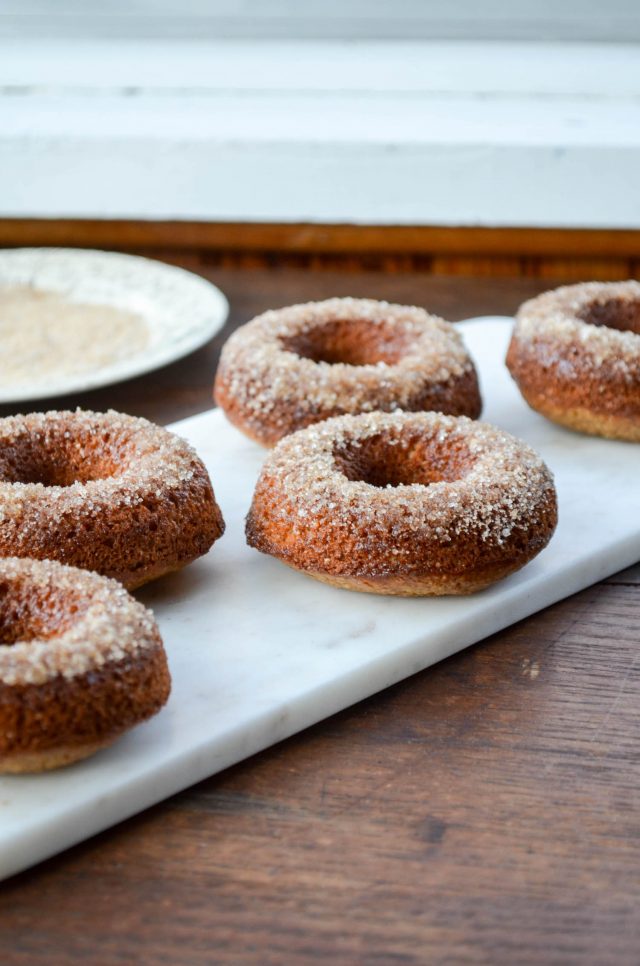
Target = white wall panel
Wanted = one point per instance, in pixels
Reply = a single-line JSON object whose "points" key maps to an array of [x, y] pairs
{"points": [[420, 133]]}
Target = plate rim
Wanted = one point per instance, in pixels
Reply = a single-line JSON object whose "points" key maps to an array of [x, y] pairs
{"points": [[138, 366]]}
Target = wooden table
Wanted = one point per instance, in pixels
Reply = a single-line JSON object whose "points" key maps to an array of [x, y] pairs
{"points": [[484, 811]]}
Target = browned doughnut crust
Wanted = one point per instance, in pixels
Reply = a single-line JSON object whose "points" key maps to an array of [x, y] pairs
{"points": [[575, 355], [105, 492], [80, 662], [296, 366], [403, 503]]}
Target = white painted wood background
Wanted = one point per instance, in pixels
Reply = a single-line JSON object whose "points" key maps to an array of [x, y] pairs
{"points": [[104, 113], [548, 20]]}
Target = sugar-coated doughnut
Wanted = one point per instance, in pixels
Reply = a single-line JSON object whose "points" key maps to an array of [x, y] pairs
{"points": [[80, 662], [575, 355], [105, 492], [295, 366], [403, 503]]}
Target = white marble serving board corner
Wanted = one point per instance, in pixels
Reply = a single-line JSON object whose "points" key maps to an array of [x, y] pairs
{"points": [[258, 652]]}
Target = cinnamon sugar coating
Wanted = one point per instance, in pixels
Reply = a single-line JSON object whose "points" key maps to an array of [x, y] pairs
{"points": [[403, 503], [80, 662], [296, 366], [575, 355], [103, 491]]}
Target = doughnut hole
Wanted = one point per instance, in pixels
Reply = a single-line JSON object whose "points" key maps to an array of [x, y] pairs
{"points": [[621, 314], [356, 342], [34, 613], [64, 456], [384, 461]]}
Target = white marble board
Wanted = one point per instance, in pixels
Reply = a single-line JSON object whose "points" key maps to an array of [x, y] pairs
{"points": [[258, 652]]}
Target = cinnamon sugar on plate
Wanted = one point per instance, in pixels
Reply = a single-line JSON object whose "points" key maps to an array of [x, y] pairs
{"points": [[44, 332]]}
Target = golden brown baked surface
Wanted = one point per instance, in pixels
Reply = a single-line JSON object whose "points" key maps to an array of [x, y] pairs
{"points": [[403, 503], [103, 491], [575, 355], [80, 662], [296, 366]]}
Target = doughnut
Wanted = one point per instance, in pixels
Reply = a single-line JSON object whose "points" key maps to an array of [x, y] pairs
{"points": [[410, 504], [80, 662], [296, 366], [104, 492], [575, 355]]}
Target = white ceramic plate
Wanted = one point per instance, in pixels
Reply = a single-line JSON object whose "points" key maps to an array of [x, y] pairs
{"points": [[182, 311]]}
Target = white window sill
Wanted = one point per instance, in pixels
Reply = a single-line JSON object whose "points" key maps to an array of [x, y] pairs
{"points": [[379, 133]]}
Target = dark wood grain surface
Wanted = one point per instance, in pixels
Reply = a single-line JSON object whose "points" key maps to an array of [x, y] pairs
{"points": [[484, 811]]}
